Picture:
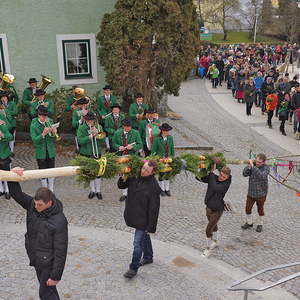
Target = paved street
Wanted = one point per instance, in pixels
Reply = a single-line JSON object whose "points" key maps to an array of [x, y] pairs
{"points": [[100, 243]]}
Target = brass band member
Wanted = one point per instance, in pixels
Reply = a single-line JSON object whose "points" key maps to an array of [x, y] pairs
{"points": [[29, 92], [164, 146], [149, 129], [75, 95], [77, 116], [8, 110], [5, 154], [104, 103], [91, 137], [136, 110], [43, 137], [41, 101], [126, 141], [113, 122]]}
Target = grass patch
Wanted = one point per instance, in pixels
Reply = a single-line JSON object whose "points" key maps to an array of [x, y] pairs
{"points": [[235, 37]]}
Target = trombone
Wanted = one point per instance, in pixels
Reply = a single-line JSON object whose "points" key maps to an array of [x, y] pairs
{"points": [[99, 136]]}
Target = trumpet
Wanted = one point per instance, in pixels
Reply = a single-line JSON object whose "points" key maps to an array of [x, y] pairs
{"points": [[47, 124], [1, 135]]}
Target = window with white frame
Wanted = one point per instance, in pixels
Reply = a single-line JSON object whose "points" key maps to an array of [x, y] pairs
{"points": [[77, 58], [4, 61]]}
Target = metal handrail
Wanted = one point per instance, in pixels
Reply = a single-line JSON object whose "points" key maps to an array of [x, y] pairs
{"points": [[267, 286]]}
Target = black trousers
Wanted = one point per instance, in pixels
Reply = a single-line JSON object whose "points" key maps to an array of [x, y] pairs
{"points": [[46, 163], [248, 108], [147, 152], [5, 164], [46, 292], [270, 116]]}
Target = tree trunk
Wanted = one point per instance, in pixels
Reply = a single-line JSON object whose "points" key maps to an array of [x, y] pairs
{"points": [[163, 105]]}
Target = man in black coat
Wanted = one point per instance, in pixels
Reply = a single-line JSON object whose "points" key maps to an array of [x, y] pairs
{"points": [[46, 239], [141, 212], [214, 201]]}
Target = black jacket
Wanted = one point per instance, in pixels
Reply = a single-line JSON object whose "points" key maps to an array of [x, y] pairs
{"points": [[46, 239], [216, 190], [143, 202], [295, 102]]}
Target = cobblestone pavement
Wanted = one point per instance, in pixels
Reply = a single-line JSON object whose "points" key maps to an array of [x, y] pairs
{"points": [[182, 218]]}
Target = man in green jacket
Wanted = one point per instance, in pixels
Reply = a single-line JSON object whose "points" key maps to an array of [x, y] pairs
{"points": [[163, 146], [126, 141], [29, 91], [90, 136], [43, 137], [105, 102], [136, 110], [112, 123], [149, 129], [41, 101], [5, 153], [77, 116], [10, 110]]}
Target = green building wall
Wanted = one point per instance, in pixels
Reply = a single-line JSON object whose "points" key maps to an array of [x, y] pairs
{"points": [[31, 27]]}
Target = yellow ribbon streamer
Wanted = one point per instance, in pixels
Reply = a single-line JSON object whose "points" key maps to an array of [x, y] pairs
{"points": [[102, 166]]}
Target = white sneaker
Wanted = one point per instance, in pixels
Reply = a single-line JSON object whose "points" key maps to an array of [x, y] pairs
{"points": [[206, 253]]}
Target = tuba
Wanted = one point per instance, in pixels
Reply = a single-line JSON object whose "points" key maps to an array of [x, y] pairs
{"points": [[7, 79], [43, 85]]}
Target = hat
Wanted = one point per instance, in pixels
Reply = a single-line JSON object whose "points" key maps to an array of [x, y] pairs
{"points": [[116, 105], [107, 87], [165, 127], [150, 111], [126, 122], [83, 100], [42, 110], [4, 93], [78, 91], [31, 80], [139, 95], [73, 87], [39, 92], [90, 116]]}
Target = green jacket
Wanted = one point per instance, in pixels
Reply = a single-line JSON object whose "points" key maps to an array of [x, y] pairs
{"points": [[13, 112], [85, 142], [13, 94], [70, 100], [109, 125], [214, 73], [34, 105], [133, 111], [7, 118], [142, 129], [159, 146], [27, 96], [133, 136], [42, 144], [5, 151], [101, 109]]}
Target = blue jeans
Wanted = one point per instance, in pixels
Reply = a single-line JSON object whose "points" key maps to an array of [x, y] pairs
{"points": [[142, 247]]}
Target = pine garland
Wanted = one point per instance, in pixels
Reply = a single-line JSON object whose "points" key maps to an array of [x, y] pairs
{"points": [[131, 165]]}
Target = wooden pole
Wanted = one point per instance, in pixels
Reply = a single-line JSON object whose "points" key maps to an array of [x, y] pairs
{"points": [[38, 174]]}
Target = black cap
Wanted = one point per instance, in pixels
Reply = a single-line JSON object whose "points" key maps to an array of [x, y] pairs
{"points": [[150, 111], [165, 127], [139, 95], [107, 87], [90, 116], [116, 105], [83, 100], [31, 80], [42, 110], [126, 122], [4, 93], [73, 87], [39, 92]]}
